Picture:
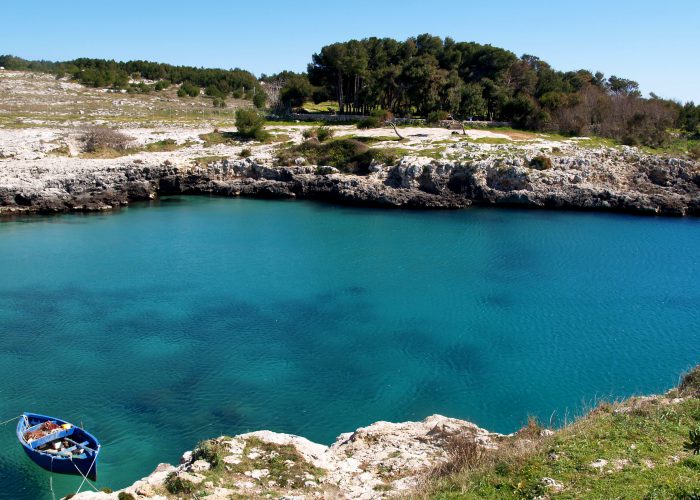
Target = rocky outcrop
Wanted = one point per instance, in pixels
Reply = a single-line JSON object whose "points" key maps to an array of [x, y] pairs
{"points": [[605, 179], [383, 459]]}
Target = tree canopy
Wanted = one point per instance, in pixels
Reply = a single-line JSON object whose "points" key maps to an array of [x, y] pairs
{"points": [[104, 73]]}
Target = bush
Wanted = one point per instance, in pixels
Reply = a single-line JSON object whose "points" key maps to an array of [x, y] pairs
{"points": [[100, 138], [175, 484], [125, 496], [162, 85], [690, 383], [378, 118], [211, 451], [245, 153], [370, 122], [463, 453], [693, 443], [324, 133], [320, 133], [382, 115], [437, 116], [541, 163], [251, 124], [219, 102], [694, 152], [259, 99], [347, 155], [188, 89]]}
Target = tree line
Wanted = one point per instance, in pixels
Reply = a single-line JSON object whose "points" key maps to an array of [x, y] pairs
{"points": [[102, 73], [427, 74]]}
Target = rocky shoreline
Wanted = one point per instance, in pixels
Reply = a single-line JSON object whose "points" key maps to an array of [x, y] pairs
{"points": [[381, 460], [607, 179]]}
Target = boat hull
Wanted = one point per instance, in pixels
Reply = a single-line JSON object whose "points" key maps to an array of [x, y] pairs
{"points": [[83, 464], [76, 467]]}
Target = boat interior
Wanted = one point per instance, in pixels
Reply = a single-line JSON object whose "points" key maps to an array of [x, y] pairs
{"points": [[61, 440]]}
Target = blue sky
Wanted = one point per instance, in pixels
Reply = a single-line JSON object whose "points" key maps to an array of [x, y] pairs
{"points": [[655, 43]]}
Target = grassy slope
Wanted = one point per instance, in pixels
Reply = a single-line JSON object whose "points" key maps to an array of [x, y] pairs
{"points": [[641, 439]]}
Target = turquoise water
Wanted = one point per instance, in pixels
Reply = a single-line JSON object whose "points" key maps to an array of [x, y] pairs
{"points": [[161, 326]]}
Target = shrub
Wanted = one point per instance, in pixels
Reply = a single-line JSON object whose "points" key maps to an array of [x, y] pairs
{"points": [[690, 383], [382, 115], [437, 116], [162, 85], [175, 484], [320, 133], [694, 152], [463, 453], [259, 99], [100, 138], [188, 89], [371, 122], [219, 102], [210, 451], [245, 153], [125, 496], [541, 163], [347, 155], [214, 91], [533, 429], [693, 443], [251, 124]]}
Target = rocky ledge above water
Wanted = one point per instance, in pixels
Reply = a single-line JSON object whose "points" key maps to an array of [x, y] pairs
{"points": [[383, 459], [613, 179]]}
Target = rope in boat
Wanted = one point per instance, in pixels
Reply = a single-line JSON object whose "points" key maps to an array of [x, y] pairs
{"points": [[84, 476], [8, 421]]}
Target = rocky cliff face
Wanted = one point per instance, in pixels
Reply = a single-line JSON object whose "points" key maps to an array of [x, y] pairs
{"points": [[383, 459], [620, 179]]}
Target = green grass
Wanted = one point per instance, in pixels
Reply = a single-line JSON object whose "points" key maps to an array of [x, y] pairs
{"points": [[491, 140], [289, 123], [203, 161], [347, 155], [642, 441], [372, 139], [153, 147], [596, 142], [165, 145], [321, 107], [287, 468], [216, 137], [677, 146]]}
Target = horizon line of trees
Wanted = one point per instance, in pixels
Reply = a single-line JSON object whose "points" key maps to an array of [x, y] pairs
{"points": [[426, 74], [102, 73], [421, 76]]}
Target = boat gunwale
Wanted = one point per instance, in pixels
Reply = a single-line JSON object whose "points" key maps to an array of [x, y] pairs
{"points": [[21, 428]]}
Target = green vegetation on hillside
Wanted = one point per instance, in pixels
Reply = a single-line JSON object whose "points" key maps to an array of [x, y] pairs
{"points": [[434, 78], [101, 73], [642, 448]]}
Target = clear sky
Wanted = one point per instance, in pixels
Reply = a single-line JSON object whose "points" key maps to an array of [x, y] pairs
{"points": [[654, 43]]}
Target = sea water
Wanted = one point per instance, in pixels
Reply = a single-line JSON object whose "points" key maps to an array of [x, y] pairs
{"points": [[159, 326]]}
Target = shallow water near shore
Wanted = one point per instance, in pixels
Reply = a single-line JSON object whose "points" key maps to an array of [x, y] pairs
{"points": [[160, 326]]}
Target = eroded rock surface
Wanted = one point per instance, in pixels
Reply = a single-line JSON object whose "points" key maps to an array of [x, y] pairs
{"points": [[383, 459], [607, 179]]}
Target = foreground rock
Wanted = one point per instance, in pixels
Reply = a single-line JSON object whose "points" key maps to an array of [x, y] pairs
{"points": [[612, 179], [383, 459]]}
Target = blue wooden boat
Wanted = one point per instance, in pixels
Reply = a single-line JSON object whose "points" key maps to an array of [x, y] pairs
{"points": [[58, 446]]}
